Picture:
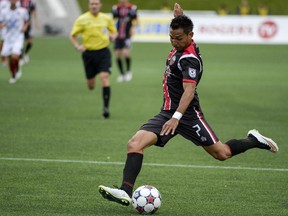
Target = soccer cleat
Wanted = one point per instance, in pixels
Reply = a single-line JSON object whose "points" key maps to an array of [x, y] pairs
{"points": [[12, 80], [106, 113], [128, 76], [18, 75], [115, 195], [120, 78], [24, 60], [265, 142]]}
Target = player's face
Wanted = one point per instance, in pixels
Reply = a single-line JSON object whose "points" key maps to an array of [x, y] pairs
{"points": [[179, 39], [95, 6], [13, 2]]}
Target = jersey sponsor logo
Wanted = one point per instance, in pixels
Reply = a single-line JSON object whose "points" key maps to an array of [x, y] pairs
{"points": [[168, 71], [192, 72], [172, 60]]}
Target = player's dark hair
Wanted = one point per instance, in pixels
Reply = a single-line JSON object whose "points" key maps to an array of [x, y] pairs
{"points": [[182, 22]]}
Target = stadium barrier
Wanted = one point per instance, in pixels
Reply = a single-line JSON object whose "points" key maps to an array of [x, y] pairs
{"points": [[253, 29]]}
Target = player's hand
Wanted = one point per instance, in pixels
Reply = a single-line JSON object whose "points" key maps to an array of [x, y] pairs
{"points": [[178, 11], [80, 48], [112, 37], [169, 127], [2, 25]]}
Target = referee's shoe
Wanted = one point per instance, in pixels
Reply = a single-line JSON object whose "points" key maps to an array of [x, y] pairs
{"points": [[264, 142], [115, 195]]}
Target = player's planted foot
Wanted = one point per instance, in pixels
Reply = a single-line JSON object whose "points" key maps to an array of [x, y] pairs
{"points": [[264, 142], [121, 78], [115, 195], [18, 75], [128, 76], [106, 113], [12, 80]]}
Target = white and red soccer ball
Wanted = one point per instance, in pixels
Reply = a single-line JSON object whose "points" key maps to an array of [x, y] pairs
{"points": [[146, 199]]}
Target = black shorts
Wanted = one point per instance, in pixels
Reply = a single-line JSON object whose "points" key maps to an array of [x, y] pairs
{"points": [[123, 43], [96, 61], [193, 127]]}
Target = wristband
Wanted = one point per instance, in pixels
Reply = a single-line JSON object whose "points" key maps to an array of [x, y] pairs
{"points": [[177, 115]]}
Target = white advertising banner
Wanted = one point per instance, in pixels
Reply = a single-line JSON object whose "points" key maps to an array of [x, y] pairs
{"points": [[217, 29]]}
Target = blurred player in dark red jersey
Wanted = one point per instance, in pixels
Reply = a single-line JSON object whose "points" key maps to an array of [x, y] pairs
{"points": [[125, 15]]}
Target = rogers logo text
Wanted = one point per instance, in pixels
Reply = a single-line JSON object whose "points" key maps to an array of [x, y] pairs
{"points": [[268, 29]]}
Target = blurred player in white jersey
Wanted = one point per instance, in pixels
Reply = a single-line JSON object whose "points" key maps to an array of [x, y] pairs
{"points": [[4, 4], [15, 21]]}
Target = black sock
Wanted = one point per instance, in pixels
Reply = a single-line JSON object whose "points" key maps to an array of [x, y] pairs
{"points": [[28, 47], [240, 146], [106, 96], [120, 66], [128, 63], [131, 170]]}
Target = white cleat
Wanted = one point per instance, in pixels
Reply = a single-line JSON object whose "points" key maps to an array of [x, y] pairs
{"points": [[115, 195], [12, 80], [120, 78], [18, 75], [24, 60], [267, 142], [128, 76]]}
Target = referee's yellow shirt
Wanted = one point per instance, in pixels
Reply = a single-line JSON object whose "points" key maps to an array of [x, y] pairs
{"points": [[94, 30]]}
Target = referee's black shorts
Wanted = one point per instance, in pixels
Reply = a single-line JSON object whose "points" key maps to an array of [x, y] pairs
{"points": [[193, 127], [96, 61]]}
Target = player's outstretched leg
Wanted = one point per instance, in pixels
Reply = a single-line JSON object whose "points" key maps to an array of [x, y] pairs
{"points": [[264, 142], [115, 195]]}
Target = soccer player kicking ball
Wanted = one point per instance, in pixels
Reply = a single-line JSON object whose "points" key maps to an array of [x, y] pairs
{"points": [[180, 114]]}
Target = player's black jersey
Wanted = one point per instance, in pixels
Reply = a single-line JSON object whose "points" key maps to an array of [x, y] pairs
{"points": [[181, 66], [124, 15]]}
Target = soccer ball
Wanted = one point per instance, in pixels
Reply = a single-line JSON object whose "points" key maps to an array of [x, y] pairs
{"points": [[146, 199]]}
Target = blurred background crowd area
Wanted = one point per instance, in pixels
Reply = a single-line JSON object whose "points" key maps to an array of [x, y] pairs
{"points": [[221, 7], [56, 17]]}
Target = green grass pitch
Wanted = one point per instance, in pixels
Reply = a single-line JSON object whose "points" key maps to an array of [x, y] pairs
{"points": [[55, 148]]}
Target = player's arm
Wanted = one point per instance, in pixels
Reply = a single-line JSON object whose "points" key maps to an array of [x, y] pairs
{"points": [[2, 25], [74, 41], [190, 68], [77, 29], [113, 36], [186, 98], [25, 26], [35, 17], [133, 27], [178, 11], [134, 21], [112, 30]]}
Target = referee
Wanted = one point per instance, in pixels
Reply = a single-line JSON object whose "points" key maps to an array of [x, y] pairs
{"points": [[96, 28]]}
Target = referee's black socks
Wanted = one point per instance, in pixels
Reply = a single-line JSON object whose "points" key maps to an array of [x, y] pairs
{"points": [[106, 96]]}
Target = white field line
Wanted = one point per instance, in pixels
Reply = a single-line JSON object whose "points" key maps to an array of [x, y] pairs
{"points": [[145, 164]]}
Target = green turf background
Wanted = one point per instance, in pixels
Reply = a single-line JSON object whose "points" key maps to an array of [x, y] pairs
{"points": [[50, 114], [277, 7]]}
